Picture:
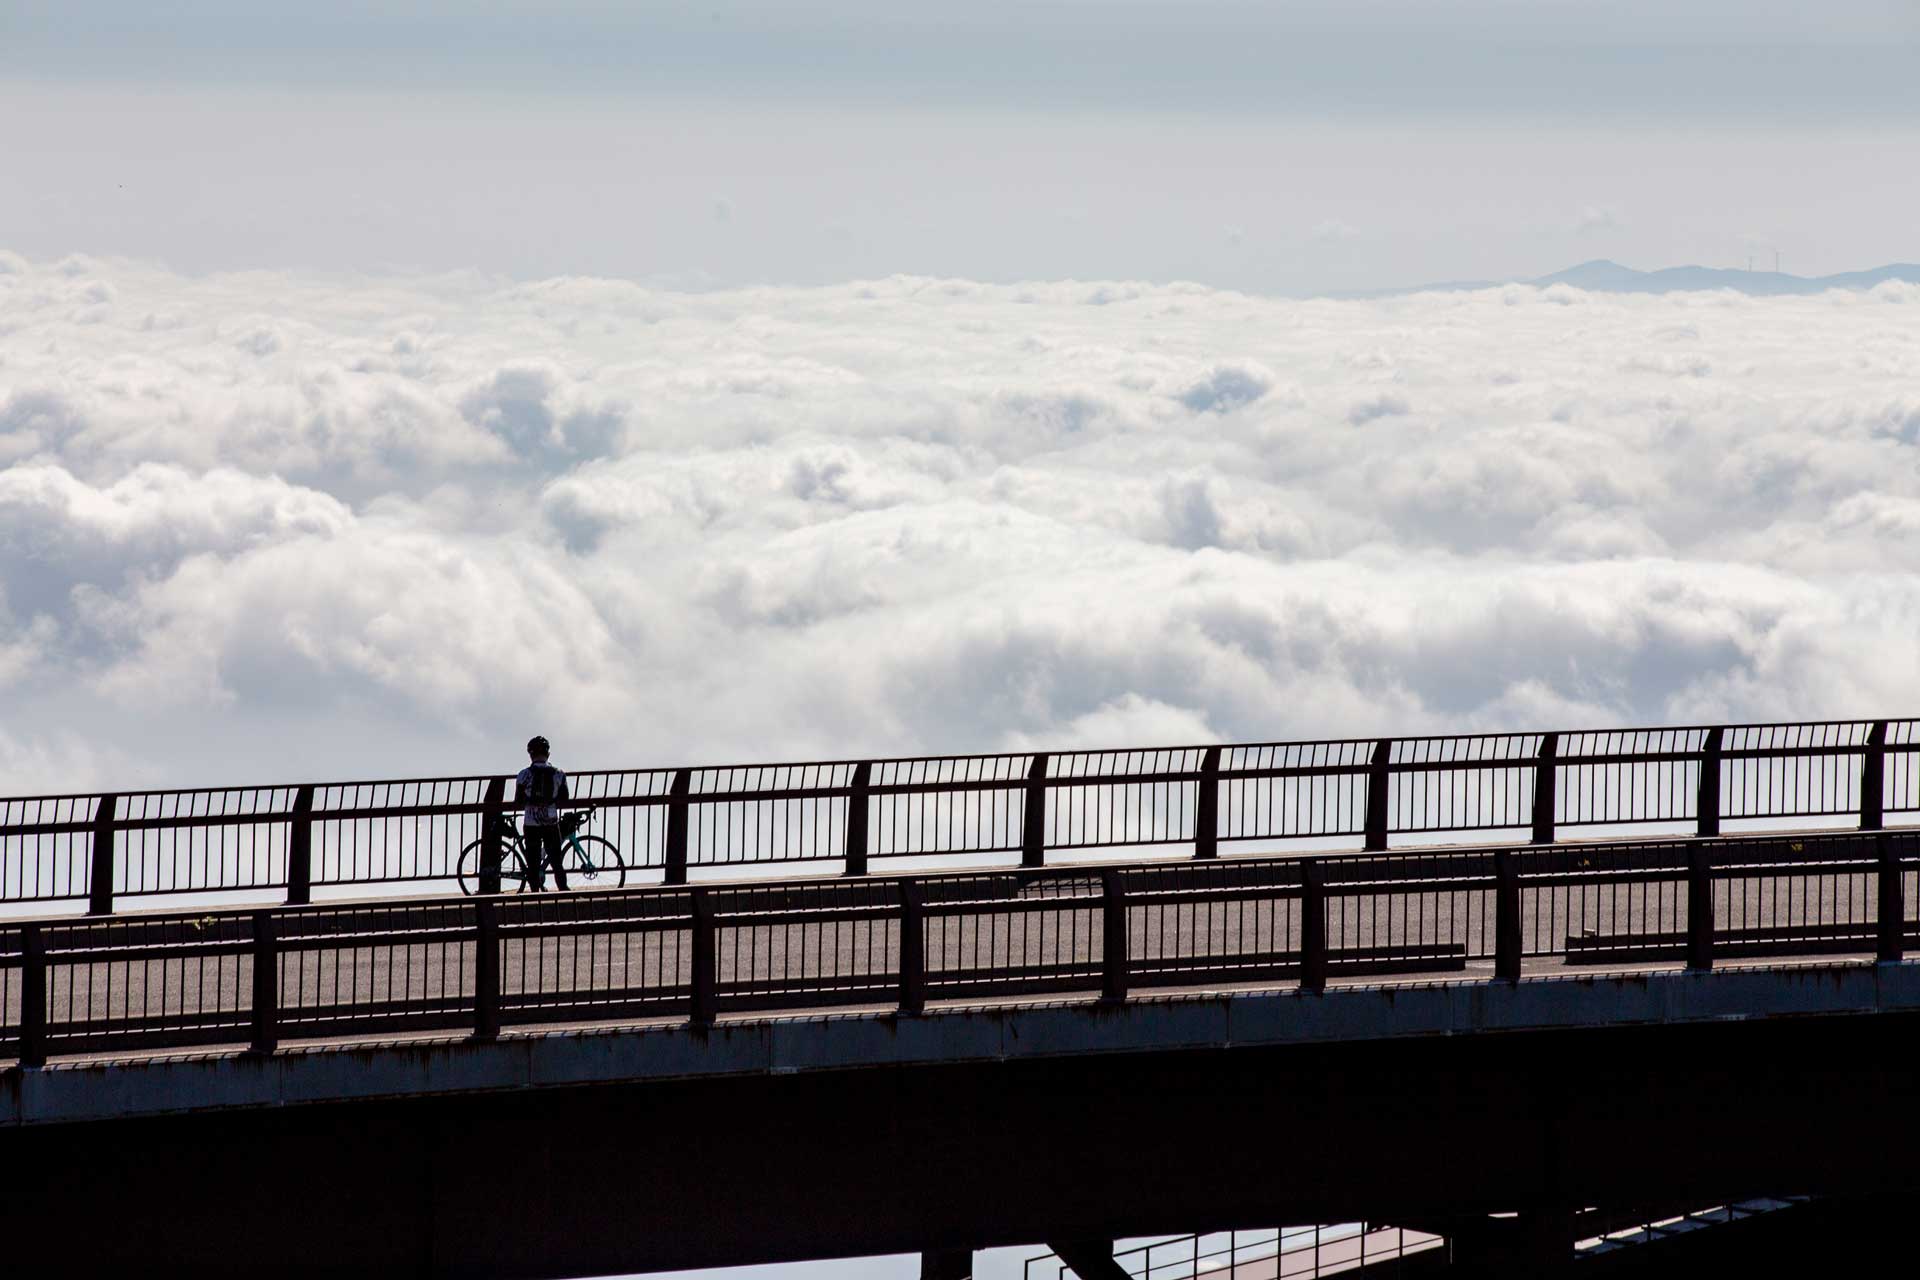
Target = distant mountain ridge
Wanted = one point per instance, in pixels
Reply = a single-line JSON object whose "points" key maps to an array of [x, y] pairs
{"points": [[1603, 276]]}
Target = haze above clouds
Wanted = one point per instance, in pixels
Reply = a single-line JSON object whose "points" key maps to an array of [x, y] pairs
{"points": [[278, 525], [1298, 148]]}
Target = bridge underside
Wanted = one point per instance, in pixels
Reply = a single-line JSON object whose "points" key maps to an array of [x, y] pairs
{"points": [[637, 1176]]}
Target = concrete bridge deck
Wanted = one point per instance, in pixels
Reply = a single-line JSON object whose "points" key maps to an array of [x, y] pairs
{"points": [[727, 1074], [597, 1151]]}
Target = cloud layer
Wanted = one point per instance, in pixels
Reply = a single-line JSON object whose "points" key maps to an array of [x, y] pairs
{"points": [[275, 525]]}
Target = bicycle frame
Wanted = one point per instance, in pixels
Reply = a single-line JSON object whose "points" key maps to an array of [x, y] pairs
{"points": [[515, 842], [587, 864]]}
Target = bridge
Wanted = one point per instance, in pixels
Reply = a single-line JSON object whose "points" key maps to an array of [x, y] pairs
{"points": [[1070, 982]]}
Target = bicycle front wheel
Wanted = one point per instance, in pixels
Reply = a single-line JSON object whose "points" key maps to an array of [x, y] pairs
{"points": [[592, 863], [513, 867]]}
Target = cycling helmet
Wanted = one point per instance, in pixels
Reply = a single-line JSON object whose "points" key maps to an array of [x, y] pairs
{"points": [[538, 746]]}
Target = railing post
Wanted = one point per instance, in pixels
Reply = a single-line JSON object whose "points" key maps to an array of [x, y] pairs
{"points": [[486, 968], [1699, 908], [1708, 806], [1377, 773], [1506, 917], [493, 821], [913, 949], [857, 819], [33, 996], [266, 984], [1206, 807], [100, 877], [1114, 943], [1545, 788], [1033, 833], [677, 814], [1313, 926], [1873, 779], [300, 849], [1893, 901], [704, 1002]]}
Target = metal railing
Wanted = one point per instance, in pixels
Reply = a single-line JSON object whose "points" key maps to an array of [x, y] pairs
{"points": [[1291, 1253], [168, 980], [294, 838], [1600, 1232]]}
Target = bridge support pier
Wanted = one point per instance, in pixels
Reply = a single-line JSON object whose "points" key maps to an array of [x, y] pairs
{"points": [[1090, 1259], [1535, 1243], [946, 1264]]}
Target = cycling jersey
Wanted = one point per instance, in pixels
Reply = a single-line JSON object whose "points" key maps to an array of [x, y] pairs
{"points": [[540, 788]]}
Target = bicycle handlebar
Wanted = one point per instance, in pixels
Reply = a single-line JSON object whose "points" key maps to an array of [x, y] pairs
{"points": [[576, 817]]}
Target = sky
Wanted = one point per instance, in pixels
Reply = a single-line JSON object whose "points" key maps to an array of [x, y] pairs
{"points": [[383, 383], [1287, 148]]}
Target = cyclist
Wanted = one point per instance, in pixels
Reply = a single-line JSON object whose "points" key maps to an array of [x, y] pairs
{"points": [[539, 789]]}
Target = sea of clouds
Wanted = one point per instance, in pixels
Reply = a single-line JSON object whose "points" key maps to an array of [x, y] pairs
{"points": [[268, 526]]}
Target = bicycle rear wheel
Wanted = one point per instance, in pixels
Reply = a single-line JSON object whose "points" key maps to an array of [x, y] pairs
{"points": [[593, 863], [513, 867]]}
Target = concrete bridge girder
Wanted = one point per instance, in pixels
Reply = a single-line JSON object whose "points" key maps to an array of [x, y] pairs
{"points": [[1114, 1128]]}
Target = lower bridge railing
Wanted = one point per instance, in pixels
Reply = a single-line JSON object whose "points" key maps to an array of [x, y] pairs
{"points": [[256, 977], [1291, 1253]]}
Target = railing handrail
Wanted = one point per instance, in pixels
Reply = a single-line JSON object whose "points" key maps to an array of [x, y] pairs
{"points": [[1055, 780], [1357, 797]]}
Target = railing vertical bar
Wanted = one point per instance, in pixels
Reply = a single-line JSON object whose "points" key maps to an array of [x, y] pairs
{"points": [[1206, 807], [486, 968], [1114, 948], [1699, 908], [677, 816], [857, 798], [1379, 770], [1545, 788], [1313, 926], [703, 1003], [1873, 779], [1892, 912], [1033, 835], [913, 949], [300, 849], [266, 984], [33, 996], [1506, 917], [1707, 806], [100, 873], [493, 826]]}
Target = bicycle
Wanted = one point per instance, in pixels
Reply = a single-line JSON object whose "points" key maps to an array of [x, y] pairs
{"points": [[589, 861]]}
